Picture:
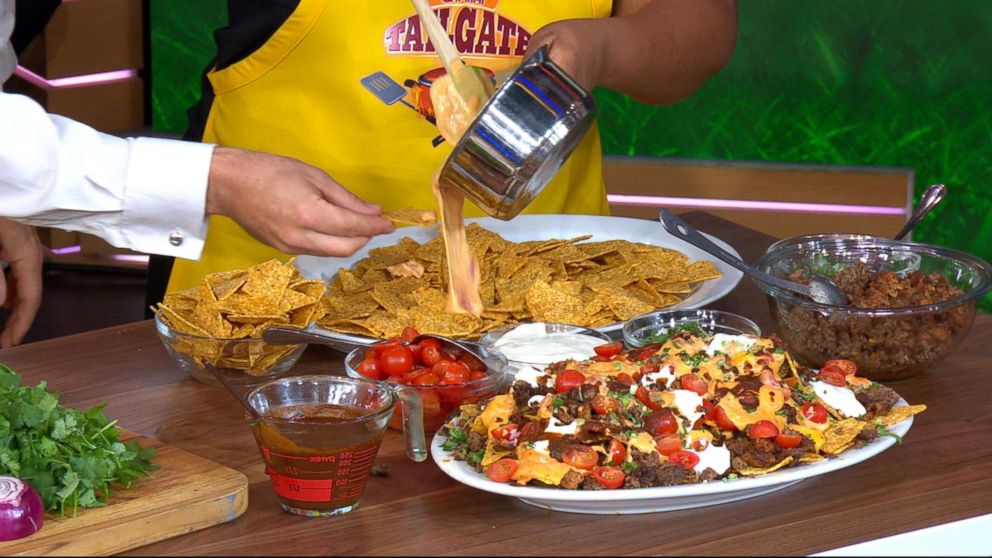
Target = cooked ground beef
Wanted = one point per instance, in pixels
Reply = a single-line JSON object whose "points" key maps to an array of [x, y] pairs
{"points": [[884, 347], [571, 480], [651, 471], [476, 441], [868, 434], [764, 452], [878, 400]]}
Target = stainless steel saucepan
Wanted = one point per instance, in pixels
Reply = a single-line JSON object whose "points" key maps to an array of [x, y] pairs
{"points": [[521, 138]]}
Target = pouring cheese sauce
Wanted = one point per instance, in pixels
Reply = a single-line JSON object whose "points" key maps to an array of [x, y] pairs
{"points": [[454, 114]]}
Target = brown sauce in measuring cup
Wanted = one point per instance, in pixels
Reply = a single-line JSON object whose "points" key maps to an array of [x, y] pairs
{"points": [[321, 460]]}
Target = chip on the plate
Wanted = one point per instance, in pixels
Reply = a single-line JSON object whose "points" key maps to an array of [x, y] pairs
{"points": [[232, 306], [754, 471], [899, 414], [411, 216], [564, 280], [841, 435]]}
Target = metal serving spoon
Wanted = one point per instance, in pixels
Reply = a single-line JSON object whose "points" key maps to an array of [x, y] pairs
{"points": [[278, 335], [820, 288], [933, 196]]}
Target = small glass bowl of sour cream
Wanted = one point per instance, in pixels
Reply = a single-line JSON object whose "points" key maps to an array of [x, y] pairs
{"points": [[539, 344]]}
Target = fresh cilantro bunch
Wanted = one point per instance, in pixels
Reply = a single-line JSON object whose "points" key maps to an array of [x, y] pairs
{"points": [[69, 457]]}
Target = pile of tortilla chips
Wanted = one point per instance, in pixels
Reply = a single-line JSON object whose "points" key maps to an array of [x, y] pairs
{"points": [[234, 306], [566, 281]]}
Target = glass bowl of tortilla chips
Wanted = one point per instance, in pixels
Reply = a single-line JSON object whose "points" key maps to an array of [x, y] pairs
{"points": [[219, 323]]}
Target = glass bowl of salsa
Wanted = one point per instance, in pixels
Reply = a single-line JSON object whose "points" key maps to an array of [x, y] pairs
{"points": [[444, 377]]}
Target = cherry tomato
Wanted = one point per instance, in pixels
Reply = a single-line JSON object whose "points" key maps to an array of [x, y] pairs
{"points": [[788, 439], [370, 369], [616, 453], [668, 444], [722, 420], [431, 353], [568, 379], [644, 396], [472, 363], [844, 364], [646, 352], [396, 360], [833, 375], [453, 372], [609, 477], [428, 379], [506, 432], [379, 348], [662, 421], [580, 457], [763, 429], [624, 378], [609, 349], [416, 349], [694, 383], [684, 458], [604, 405], [815, 412], [409, 333], [599, 358], [451, 394], [649, 369], [502, 470], [478, 375]]}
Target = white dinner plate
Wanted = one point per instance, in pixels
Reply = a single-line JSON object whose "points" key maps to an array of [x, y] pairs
{"points": [[662, 498], [543, 227]]}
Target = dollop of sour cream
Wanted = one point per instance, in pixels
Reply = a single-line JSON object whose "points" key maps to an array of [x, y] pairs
{"points": [[528, 374], [840, 398], [531, 343], [713, 457], [721, 341]]}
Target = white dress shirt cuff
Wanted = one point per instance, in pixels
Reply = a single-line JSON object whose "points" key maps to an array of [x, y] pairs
{"points": [[166, 196]]}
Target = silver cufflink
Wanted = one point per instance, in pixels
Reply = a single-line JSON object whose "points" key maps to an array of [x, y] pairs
{"points": [[176, 238]]}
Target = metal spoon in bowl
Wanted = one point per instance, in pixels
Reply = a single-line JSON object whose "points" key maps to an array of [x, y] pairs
{"points": [[933, 196], [820, 288], [278, 335]]}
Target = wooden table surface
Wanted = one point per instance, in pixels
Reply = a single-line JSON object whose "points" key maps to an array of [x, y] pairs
{"points": [[942, 473]]}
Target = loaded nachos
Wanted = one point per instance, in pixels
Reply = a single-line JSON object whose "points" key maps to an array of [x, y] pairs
{"points": [[686, 409]]}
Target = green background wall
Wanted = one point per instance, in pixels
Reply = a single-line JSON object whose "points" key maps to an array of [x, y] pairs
{"points": [[893, 83]]}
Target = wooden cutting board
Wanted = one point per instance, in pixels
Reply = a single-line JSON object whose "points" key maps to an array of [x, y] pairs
{"points": [[185, 494]]}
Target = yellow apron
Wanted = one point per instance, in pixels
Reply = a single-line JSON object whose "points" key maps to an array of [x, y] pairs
{"points": [[301, 95]]}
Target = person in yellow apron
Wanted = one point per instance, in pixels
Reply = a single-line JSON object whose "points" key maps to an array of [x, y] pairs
{"points": [[344, 86]]}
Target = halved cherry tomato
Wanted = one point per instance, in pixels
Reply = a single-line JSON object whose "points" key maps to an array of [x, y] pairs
{"points": [[644, 396], [609, 477], [650, 369], [694, 383], [609, 349], [833, 375], [409, 333], [568, 379], [455, 376], [428, 379], [668, 444], [788, 439], [599, 358], [379, 348], [580, 457], [624, 378], [722, 420], [616, 453], [502, 470], [506, 432], [686, 459], [646, 352], [472, 363], [763, 429], [370, 369], [452, 369], [662, 421], [417, 351], [815, 412], [530, 431], [430, 353], [478, 375], [396, 360], [604, 405], [848, 366]]}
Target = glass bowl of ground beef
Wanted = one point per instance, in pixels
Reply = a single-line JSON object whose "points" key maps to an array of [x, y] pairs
{"points": [[901, 319]]}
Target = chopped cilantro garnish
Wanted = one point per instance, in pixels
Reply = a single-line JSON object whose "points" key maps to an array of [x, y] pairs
{"points": [[663, 336], [476, 456], [613, 417], [628, 467], [883, 432], [557, 402], [617, 365], [456, 437], [779, 350]]}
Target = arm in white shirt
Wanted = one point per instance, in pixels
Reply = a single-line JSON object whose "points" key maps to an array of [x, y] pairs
{"points": [[134, 193]]}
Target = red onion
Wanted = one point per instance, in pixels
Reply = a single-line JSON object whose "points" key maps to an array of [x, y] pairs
{"points": [[21, 512]]}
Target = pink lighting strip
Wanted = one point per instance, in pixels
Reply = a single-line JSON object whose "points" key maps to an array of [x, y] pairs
{"points": [[131, 258], [794, 207], [74, 81], [67, 250]]}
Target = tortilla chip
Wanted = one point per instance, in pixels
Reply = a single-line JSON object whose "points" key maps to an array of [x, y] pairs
{"points": [[411, 216], [754, 471], [841, 435], [899, 414]]}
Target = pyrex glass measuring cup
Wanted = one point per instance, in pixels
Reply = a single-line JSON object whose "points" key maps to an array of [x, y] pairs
{"points": [[319, 436]]}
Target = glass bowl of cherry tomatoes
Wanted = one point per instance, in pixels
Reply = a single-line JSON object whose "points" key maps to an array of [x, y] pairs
{"points": [[445, 376]]}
